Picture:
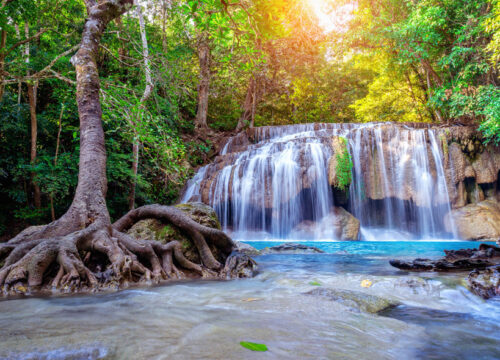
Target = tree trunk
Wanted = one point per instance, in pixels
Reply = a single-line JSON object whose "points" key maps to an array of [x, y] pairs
{"points": [[142, 107], [204, 85], [32, 91], [66, 253], [3, 39], [58, 140], [252, 99]]}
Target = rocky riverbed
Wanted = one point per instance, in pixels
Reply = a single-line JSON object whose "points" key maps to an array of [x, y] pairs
{"points": [[347, 302]]}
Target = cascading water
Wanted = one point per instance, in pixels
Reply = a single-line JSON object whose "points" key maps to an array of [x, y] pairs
{"points": [[280, 180]]}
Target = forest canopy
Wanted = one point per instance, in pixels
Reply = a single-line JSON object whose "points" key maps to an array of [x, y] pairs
{"points": [[172, 72]]}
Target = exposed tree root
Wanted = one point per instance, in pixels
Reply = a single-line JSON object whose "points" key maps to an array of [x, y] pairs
{"points": [[102, 255]]}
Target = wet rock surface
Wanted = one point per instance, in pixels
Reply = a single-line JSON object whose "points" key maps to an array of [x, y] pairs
{"points": [[479, 221], [454, 260], [356, 300], [239, 265], [485, 283], [291, 249], [246, 249], [484, 280], [276, 178]]}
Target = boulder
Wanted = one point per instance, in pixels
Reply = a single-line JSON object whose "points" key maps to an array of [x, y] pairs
{"points": [[346, 226], [153, 229], [485, 283], [246, 249], [479, 221], [239, 265], [355, 300]]}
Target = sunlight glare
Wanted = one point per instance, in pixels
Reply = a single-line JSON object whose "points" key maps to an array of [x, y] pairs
{"points": [[331, 16]]}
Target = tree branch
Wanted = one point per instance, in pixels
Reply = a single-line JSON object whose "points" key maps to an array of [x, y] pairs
{"points": [[19, 43], [49, 66]]}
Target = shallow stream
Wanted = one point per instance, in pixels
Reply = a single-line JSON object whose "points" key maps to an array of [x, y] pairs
{"points": [[432, 316]]}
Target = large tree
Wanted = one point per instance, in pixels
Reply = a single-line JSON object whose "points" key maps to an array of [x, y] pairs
{"points": [[65, 252]]}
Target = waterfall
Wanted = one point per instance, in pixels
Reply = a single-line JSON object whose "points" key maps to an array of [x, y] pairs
{"points": [[278, 180]]}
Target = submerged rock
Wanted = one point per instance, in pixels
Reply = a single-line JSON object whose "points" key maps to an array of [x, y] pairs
{"points": [[291, 248], [455, 260], [354, 299], [479, 221], [485, 283]]}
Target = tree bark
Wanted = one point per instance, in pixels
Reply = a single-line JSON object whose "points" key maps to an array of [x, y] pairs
{"points": [[32, 92], [204, 85], [61, 253], [142, 107], [3, 39], [249, 107]]}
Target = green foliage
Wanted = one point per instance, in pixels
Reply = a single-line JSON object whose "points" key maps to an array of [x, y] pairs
{"points": [[253, 346], [488, 105], [343, 169], [395, 60]]}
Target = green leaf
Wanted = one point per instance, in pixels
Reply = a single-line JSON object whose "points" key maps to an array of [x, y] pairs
{"points": [[253, 346], [315, 283]]}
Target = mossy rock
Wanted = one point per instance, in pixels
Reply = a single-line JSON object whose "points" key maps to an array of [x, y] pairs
{"points": [[201, 213], [153, 229]]}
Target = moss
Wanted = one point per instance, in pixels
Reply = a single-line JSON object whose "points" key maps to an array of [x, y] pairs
{"points": [[166, 232], [343, 169], [444, 143], [201, 213]]}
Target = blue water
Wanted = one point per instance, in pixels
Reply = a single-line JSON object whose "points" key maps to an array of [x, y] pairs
{"points": [[466, 327], [419, 248], [434, 315]]}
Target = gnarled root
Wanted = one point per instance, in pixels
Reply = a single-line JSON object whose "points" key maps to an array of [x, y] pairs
{"points": [[103, 255]]}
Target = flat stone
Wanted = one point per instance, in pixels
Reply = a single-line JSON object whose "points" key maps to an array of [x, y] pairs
{"points": [[354, 299], [291, 248]]}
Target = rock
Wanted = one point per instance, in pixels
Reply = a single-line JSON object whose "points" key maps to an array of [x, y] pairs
{"points": [[455, 260], [153, 229], [246, 249], [239, 265], [479, 221], [485, 283], [354, 299], [345, 224], [201, 213], [291, 248]]}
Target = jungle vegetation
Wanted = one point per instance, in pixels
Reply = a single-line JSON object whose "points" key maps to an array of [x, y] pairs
{"points": [[174, 75]]}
